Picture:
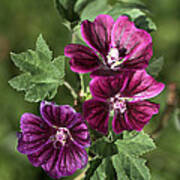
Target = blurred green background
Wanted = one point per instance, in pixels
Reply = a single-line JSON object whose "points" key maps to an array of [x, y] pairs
{"points": [[20, 24]]}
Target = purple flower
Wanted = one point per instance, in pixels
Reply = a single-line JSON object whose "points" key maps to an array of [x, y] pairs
{"points": [[57, 141], [124, 95], [121, 45]]}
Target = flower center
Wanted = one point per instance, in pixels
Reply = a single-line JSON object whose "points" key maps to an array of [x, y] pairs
{"points": [[118, 103], [115, 58], [61, 137]]}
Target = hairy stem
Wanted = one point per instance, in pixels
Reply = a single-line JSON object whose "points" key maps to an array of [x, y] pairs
{"points": [[73, 93]]}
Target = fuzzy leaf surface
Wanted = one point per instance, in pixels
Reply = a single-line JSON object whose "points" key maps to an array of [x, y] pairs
{"points": [[105, 171], [127, 163], [41, 75], [103, 148]]}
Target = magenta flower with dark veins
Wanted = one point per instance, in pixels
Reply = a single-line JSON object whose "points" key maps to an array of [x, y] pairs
{"points": [[57, 141], [121, 46], [125, 97]]}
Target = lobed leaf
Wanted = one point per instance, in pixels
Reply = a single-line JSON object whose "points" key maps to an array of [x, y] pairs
{"points": [[129, 168], [127, 163], [42, 76], [135, 145]]}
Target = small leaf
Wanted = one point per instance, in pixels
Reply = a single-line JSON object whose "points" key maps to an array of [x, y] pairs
{"points": [[93, 164], [155, 66], [136, 12], [103, 148], [95, 8], [104, 171], [176, 117], [145, 23], [100, 173], [80, 5], [125, 9], [42, 76], [66, 10]]}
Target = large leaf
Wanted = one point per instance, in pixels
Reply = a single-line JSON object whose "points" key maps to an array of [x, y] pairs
{"points": [[41, 76], [135, 144], [127, 163], [130, 168], [121, 160]]}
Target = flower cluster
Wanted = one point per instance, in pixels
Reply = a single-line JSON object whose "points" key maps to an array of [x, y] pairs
{"points": [[120, 86]]}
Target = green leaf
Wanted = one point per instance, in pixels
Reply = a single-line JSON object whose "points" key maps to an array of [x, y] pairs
{"points": [[137, 13], [95, 8], [127, 163], [93, 164], [42, 76], [21, 82], [43, 48], [145, 23], [176, 118], [103, 148], [137, 144], [129, 168], [66, 10], [155, 66], [119, 10], [81, 4], [105, 171]]}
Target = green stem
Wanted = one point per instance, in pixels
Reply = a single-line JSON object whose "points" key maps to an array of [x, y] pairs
{"points": [[82, 85], [73, 93]]}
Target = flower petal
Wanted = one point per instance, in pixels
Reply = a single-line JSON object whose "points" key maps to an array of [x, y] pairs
{"points": [[83, 59], [139, 113], [79, 132], [140, 62], [136, 42], [65, 161], [54, 115], [103, 88], [51, 164], [141, 86], [42, 156], [71, 159], [35, 133], [119, 123], [97, 34], [96, 113]]}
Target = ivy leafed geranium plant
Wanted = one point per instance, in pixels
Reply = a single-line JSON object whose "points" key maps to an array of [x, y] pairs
{"points": [[102, 136]]}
